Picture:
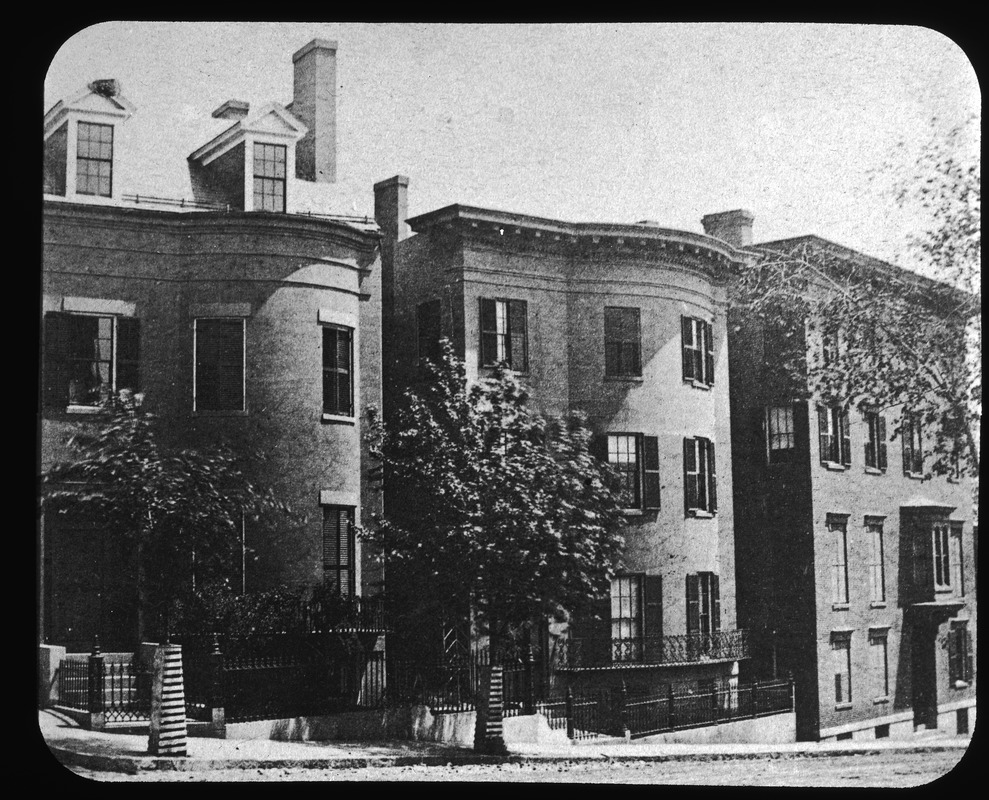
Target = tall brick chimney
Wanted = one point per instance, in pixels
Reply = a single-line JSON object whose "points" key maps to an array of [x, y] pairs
{"points": [[734, 227], [314, 102]]}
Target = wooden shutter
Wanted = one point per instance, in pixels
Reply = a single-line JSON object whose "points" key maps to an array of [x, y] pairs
{"points": [[344, 351], [693, 605], [708, 353], [338, 549], [824, 435], [881, 442], [219, 364], [846, 437], [55, 368], [652, 623], [598, 446], [715, 602], [871, 445], [689, 475], [712, 479], [906, 442], [518, 337], [687, 342], [128, 354], [650, 490], [489, 333]]}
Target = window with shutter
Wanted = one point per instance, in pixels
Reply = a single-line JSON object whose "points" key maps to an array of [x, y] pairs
{"points": [[875, 443], [88, 358], [626, 618], [621, 342], [338, 378], [834, 436], [504, 334], [624, 451], [912, 443], [699, 479], [697, 342], [339, 545], [652, 590], [219, 367], [959, 655]]}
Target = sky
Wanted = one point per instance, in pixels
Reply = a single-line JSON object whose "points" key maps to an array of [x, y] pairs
{"points": [[805, 125]]}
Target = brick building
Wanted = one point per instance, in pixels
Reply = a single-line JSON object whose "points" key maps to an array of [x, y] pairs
{"points": [[855, 573], [244, 311], [627, 324]]}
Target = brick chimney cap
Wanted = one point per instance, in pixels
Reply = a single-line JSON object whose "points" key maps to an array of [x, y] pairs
{"points": [[315, 44], [232, 109], [736, 215], [400, 180]]}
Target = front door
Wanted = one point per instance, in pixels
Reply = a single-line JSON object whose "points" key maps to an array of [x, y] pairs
{"points": [[924, 674]]}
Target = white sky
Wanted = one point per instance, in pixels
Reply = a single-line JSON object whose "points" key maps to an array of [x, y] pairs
{"points": [[580, 122]]}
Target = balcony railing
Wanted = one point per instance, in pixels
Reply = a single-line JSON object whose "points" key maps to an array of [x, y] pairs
{"points": [[585, 653], [184, 204]]}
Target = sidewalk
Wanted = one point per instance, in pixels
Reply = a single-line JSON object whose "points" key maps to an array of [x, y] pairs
{"points": [[126, 750]]}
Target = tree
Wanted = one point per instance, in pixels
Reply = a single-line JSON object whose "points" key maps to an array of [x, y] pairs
{"points": [[177, 505], [499, 509], [856, 330]]}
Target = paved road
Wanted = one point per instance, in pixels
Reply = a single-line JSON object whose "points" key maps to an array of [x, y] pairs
{"points": [[887, 770]]}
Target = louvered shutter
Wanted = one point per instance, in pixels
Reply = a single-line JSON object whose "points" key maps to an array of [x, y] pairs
{"points": [[518, 340], [128, 354], [652, 601], [219, 365], [712, 475], [650, 493], [881, 443], [693, 605], [906, 442], [824, 434], [687, 343], [846, 437], [871, 445], [708, 354], [55, 368], [338, 550], [801, 428], [689, 475], [344, 355], [715, 602], [489, 333]]}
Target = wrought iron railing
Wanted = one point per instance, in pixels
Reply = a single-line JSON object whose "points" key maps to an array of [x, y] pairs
{"points": [[184, 204], [582, 653]]}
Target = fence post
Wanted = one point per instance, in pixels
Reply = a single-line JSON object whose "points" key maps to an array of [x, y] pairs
{"points": [[623, 712], [672, 703], [568, 708], [218, 722], [97, 671], [530, 687]]}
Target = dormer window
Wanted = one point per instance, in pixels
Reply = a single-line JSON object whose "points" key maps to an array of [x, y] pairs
{"points": [[94, 159], [269, 177]]}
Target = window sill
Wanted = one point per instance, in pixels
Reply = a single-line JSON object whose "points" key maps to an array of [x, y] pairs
{"points": [[211, 413], [336, 419], [834, 467], [880, 700], [700, 514], [960, 685], [698, 384], [70, 409], [877, 604], [519, 372], [914, 476], [842, 706], [623, 379], [633, 512], [874, 471], [840, 606]]}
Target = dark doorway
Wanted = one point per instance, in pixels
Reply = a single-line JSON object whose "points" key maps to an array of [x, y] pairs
{"points": [[924, 674]]}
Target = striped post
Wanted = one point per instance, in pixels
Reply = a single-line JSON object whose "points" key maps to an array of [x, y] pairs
{"points": [[494, 739], [168, 731]]}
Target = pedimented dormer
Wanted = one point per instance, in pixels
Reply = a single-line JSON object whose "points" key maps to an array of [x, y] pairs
{"points": [[247, 166], [81, 143]]}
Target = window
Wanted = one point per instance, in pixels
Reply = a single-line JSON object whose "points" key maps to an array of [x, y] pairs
{"points": [[879, 663], [834, 435], [504, 337], [218, 380], [636, 459], [339, 546], [913, 450], [88, 358], [830, 342], [959, 655], [94, 159], [626, 618], [699, 477], [942, 556], [957, 560], [338, 384], [703, 607], [622, 356], [781, 440], [698, 350], [841, 660], [56, 149], [269, 177], [838, 531], [875, 443], [877, 568], [428, 331]]}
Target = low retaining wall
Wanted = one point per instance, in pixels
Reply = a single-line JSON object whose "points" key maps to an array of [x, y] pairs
{"points": [[774, 729]]}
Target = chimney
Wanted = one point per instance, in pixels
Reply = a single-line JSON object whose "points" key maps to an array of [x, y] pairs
{"points": [[314, 102], [107, 87], [232, 109], [734, 227], [391, 206]]}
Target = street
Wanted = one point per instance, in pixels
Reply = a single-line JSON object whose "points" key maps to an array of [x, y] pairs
{"points": [[893, 769]]}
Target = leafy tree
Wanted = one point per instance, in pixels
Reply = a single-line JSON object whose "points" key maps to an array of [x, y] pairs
{"points": [[856, 330], [497, 508], [176, 504]]}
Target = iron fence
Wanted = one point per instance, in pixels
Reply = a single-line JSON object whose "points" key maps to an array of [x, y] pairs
{"points": [[118, 688], [579, 653], [73, 683]]}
